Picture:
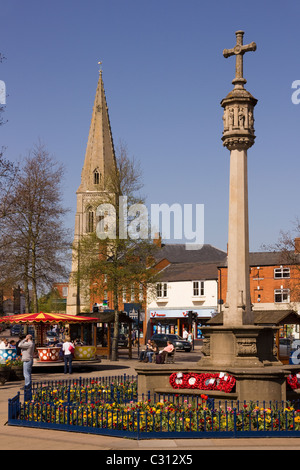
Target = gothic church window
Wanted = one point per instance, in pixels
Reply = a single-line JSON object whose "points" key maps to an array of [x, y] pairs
{"points": [[90, 221], [97, 177]]}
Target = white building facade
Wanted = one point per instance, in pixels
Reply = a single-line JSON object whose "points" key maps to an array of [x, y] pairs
{"points": [[168, 311], [189, 282]]}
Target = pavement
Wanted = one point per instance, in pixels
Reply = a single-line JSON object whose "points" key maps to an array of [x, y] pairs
{"points": [[18, 438]]}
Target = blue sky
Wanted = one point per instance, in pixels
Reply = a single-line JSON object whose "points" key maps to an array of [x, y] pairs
{"points": [[164, 76]]}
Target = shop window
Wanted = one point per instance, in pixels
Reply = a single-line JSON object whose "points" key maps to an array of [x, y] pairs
{"points": [[198, 288], [161, 290]]}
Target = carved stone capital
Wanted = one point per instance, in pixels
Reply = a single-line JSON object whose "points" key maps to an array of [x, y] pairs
{"points": [[242, 142]]}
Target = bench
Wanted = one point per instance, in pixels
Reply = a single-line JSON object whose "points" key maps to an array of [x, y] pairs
{"points": [[170, 357]]}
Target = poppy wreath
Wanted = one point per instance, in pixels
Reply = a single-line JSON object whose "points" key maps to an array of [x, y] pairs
{"points": [[217, 381], [292, 380], [178, 380]]}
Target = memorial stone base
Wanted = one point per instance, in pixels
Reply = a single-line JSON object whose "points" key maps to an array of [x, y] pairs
{"points": [[245, 352]]}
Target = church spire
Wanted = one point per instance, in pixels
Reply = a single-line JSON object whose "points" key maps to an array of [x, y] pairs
{"points": [[98, 162], [100, 154]]}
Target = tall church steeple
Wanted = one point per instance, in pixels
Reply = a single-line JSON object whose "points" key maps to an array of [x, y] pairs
{"points": [[100, 154], [98, 162]]}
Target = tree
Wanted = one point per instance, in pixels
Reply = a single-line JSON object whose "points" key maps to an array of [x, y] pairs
{"points": [[52, 302], [111, 262], [35, 241]]}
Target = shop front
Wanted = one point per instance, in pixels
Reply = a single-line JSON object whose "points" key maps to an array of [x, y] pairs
{"points": [[174, 321]]}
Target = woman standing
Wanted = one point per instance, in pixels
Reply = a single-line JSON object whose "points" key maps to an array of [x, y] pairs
{"points": [[68, 349]]}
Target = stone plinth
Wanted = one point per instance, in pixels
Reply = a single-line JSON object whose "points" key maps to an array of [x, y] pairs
{"points": [[266, 383], [242, 346], [246, 352]]}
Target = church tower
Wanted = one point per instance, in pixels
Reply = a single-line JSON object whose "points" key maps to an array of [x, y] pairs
{"points": [[98, 162]]}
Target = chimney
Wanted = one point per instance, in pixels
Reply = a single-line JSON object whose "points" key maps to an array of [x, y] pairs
{"points": [[157, 239], [297, 245]]}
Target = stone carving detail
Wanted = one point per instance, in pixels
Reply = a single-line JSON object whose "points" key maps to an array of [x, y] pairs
{"points": [[238, 142], [246, 347], [206, 347], [251, 120], [238, 118]]}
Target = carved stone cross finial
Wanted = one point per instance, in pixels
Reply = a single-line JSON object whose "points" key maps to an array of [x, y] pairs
{"points": [[239, 50]]}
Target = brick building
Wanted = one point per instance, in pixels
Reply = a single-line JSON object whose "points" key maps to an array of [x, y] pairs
{"points": [[273, 283]]}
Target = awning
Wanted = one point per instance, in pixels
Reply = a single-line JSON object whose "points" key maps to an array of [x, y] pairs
{"points": [[47, 318]]}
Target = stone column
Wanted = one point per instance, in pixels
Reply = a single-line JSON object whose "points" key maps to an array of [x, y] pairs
{"points": [[238, 136], [238, 305]]}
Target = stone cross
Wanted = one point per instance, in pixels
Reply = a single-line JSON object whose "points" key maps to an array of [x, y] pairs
{"points": [[239, 50]]}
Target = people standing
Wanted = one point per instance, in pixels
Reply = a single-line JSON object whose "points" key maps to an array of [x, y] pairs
{"points": [[68, 349], [27, 349]]}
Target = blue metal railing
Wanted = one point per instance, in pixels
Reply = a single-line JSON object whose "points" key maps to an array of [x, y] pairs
{"points": [[77, 407]]}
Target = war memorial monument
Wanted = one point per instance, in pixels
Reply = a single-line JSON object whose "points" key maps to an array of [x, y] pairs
{"points": [[238, 348]]}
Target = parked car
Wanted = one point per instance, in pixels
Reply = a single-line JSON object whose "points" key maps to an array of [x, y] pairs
{"points": [[17, 330], [284, 346], [122, 341], [179, 343], [50, 335]]}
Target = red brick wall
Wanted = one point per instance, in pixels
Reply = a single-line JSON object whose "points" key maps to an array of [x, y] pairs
{"points": [[262, 283]]}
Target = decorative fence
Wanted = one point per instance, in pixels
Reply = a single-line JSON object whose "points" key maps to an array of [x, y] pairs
{"points": [[110, 406]]}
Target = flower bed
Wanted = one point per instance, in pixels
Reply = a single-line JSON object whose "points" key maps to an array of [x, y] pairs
{"points": [[94, 391], [106, 408], [163, 417]]}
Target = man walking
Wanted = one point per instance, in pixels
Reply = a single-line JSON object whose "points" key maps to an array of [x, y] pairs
{"points": [[27, 348]]}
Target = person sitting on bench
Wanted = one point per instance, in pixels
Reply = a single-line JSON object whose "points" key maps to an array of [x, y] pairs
{"points": [[160, 358], [144, 351]]}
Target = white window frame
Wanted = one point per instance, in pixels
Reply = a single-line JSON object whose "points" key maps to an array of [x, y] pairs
{"points": [[132, 294], [198, 288], [161, 290], [282, 293], [282, 273], [65, 290], [124, 295]]}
